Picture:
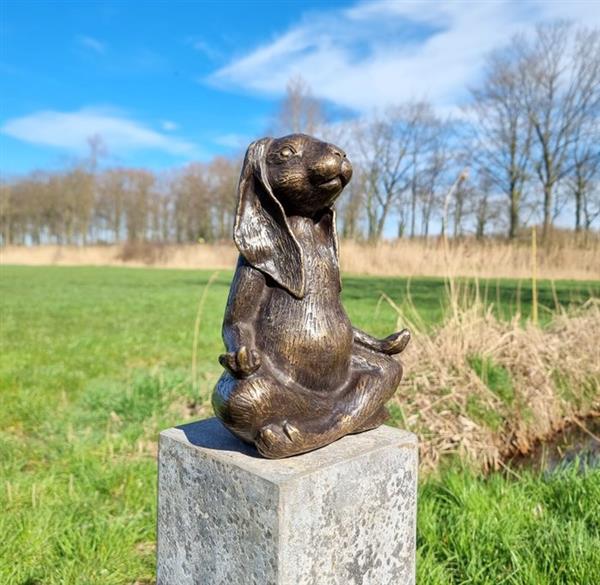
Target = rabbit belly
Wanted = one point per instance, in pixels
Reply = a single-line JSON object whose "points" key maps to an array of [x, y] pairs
{"points": [[309, 339]]}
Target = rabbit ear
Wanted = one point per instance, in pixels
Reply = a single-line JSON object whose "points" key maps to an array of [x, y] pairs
{"points": [[261, 231]]}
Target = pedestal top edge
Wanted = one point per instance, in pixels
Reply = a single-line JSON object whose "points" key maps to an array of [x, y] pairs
{"points": [[210, 438]]}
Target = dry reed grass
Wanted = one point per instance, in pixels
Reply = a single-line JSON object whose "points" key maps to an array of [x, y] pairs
{"points": [[469, 257], [201, 256], [535, 380]]}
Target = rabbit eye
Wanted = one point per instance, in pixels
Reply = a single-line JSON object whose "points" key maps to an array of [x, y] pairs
{"points": [[286, 152]]}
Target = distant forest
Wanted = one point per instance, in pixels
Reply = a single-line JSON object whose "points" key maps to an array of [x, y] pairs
{"points": [[524, 148]]}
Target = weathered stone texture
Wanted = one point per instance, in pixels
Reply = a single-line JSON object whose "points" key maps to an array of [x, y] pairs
{"points": [[341, 515]]}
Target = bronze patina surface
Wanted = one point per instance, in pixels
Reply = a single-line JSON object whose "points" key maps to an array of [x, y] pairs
{"points": [[297, 375]]}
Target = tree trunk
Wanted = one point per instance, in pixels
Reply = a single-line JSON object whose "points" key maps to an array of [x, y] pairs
{"points": [[380, 225], [578, 198], [413, 201], [514, 214], [482, 214], [371, 221], [547, 212], [401, 228]]}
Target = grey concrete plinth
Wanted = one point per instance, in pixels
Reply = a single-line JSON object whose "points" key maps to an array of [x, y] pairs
{"points": [[343, 515]]}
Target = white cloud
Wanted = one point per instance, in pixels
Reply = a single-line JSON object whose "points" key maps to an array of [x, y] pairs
{"points": [[378, 53], [71, 131], [91, 43], [168, 125], [203, 47], [232, 140]]}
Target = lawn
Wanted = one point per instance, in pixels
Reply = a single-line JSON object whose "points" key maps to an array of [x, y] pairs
{"points": [[94, 362]]}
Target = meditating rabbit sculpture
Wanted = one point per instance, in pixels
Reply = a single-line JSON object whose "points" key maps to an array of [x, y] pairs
{"points": [[297, 375]]}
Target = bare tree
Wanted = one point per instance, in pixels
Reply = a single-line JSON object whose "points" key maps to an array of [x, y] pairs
{"points": [[501, 132], [432, 180], [384, 143], [111, 202], [585, 169], [138, 195], [222, 177], [591, 204], [6, 213], [299, 111], [560, 77], [463, 195], [350, 206], [429, 132], [193, 205], [486, 207], [432, 156], [54, 192]]}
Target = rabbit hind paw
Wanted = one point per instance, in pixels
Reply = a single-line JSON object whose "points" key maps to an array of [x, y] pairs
{"points": [[276, 440]]}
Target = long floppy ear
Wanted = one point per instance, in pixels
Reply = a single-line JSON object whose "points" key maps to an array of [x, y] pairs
{"points": [[261, 231]]}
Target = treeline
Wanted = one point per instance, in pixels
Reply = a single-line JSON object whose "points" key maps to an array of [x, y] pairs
{"points": [[85, 205], [524, 149]]}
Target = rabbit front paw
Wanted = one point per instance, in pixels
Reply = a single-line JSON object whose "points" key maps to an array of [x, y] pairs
{"points": [[396, 342], [241, 363]]}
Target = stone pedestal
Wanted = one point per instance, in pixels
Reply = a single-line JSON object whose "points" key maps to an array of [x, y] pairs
{"points": [[343, 515]]}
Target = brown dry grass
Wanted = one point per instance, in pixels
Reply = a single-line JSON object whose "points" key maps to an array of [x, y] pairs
{"points": [[488, 258], [160, 256], [470, 257], [553, 378]]}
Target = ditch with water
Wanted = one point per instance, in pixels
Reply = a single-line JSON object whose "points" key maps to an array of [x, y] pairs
{"points": [[578, 441]]}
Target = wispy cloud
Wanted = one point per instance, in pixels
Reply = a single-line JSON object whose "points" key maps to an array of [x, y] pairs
{"points": [[71, 131], [91, 43], [233, 141], [205, 48], [169, 125], [378, 53]]}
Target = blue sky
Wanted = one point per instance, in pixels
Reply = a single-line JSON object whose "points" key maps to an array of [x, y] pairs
{"points": [[168, 82]]}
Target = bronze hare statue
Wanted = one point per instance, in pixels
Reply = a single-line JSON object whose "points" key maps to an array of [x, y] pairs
{"points": [[297, 375]]}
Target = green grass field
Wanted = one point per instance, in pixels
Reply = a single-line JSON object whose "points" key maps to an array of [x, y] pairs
{"points": [[95, 361]]}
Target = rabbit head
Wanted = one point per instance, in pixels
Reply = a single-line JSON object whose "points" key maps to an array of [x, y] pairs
{"points": [[306, 175], [293, 175]]}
